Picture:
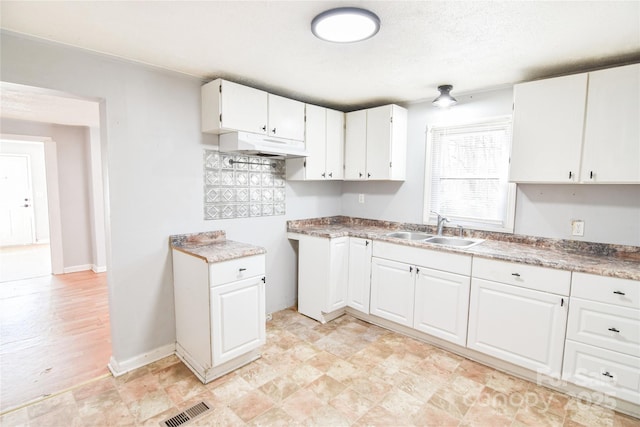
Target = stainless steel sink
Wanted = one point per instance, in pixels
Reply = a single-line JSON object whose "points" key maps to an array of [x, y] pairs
{"points": [[409, 235], [454, 241]]}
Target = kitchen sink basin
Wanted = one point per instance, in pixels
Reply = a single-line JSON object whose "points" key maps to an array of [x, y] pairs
{"points": [[409, 235], [454, 241]]}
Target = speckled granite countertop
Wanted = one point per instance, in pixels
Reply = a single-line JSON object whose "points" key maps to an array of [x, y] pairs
{"points": [[213, 246], [595, 258]]}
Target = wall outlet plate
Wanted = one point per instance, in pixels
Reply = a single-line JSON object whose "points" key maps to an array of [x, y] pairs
{"points": [[360, 198], [577, 227]]}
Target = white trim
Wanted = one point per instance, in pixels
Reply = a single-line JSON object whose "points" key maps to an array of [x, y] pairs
{"points": [[99, 268], [76, 268], [124, 366]]}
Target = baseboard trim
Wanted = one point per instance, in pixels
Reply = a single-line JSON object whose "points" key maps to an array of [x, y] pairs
{"points": [[99, 268], [76, 268], [119, 368]]}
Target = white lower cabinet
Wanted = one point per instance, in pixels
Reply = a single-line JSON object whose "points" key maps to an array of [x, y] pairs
{"points": [[442, 304], [359, 275], [519, 325], [220, 312], [392, 290], [322, 276]]}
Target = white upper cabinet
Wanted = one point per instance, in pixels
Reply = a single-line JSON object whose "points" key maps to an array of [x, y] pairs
{"points": [[548, 122], [228, 107], [611, 151], [286, 118], [324, 139], [579, 128], [376, 144]]}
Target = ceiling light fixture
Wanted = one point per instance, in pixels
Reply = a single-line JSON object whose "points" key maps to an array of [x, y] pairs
{"points": [[445, 100], [345, 25]]}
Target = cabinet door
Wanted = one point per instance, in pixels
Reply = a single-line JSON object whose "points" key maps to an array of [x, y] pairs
{"points": [[335, 144], [519, 325], [286, 118], [548, 122], [315, 140], [359, 283], [336, 293], [243, 108], [611, 152], [355, 146], [237, 318], [392, 291], [379, 142], [442, 304]]}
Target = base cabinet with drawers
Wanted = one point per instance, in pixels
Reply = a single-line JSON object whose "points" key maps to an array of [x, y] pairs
{"points": [[220, 312], [602, 350], [514, 317]]}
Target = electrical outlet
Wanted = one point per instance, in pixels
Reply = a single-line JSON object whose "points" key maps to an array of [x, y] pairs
{"points": [[269, 317], [577, 227], [360, 198]]}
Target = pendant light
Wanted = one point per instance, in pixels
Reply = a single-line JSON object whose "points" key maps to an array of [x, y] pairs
{"points": [[445, 100], [345, 25]]}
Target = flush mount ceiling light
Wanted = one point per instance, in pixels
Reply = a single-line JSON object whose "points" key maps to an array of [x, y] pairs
{"points": [[345, 25], [445, 100]]}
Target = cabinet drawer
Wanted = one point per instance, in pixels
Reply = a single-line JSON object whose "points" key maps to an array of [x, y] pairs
{"points": [[605, 325], [603, 370], [523, 275], [611, 290], [444, 261], [236, 269]]}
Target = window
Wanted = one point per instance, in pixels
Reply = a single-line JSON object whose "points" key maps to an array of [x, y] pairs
{"points": [[466, 178]]}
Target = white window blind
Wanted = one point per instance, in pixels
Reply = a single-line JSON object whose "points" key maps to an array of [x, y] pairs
{"points": [[469, 167]]}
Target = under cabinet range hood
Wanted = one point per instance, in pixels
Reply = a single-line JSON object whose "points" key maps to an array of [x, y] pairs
{"points": [[261, 145]]}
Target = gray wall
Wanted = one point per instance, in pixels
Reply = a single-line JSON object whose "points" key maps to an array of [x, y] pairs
{"points": [[611, 212], [74, 179], [153, 148]]}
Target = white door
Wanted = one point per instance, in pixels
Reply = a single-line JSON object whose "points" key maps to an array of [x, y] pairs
{"points": [[442, 304], [338, 265], [379, 142], [237, 318], [392, 291], [355, 146], [315, 140], [16, 206], [548, 122], [286, 118], [359, 283], [519, 325], [243, 108], [612, 134], [335, 144]]}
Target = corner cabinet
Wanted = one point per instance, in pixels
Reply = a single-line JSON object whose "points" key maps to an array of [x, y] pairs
{"points": [[376, 144], [518, 313], [228, 107], [322, 276], [220, 313], [579, 128], [324, 138]]}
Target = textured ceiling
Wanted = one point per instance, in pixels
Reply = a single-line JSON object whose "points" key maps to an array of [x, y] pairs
{"points": [[268, 44]]}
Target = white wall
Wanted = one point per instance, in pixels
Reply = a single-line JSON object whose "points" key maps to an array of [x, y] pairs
{"points": [[73, 182], [35, 151], [611, 212], [153, 145]]}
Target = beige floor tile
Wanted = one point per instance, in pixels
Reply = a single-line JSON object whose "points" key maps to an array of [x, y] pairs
{"points": [[402, 405], [327, 416], [104, 409], [378, 416], [17, 418], [185, 389], [326, 388], [274, 417], [64, 415], [149, 405], [251, 405], [429, 415], [232, 388], [530, 416], [51, 404], [322, 361], [301, 405], [351, 404], [589, 414], [257, 373], [279, 388]]}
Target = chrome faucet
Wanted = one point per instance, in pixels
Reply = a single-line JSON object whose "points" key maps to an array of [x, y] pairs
{"points": [[441, 221]]}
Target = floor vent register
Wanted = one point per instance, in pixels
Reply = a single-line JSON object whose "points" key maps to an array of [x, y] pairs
{"points": [[187, 415]]}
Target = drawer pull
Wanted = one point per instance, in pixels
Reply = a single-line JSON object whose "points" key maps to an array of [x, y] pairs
{"points": [[515, 274], [607, 374], [619, 293], [614, 330], [242, 269]]}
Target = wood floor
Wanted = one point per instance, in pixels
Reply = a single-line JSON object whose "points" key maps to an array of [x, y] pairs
{"points": [[54, 334]]}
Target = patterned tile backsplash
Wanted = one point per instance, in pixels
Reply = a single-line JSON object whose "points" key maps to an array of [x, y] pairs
{"points": [[241, 186]]}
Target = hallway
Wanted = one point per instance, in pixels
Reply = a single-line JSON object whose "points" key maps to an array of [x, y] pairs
{"points": [[54, 334]]}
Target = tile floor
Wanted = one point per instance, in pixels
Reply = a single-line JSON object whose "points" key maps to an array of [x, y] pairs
{"points": [[346, 372]]}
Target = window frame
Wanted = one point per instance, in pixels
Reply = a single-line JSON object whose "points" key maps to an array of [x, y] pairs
{"points": [[430, 219]]}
